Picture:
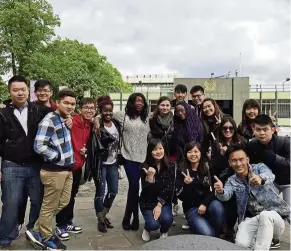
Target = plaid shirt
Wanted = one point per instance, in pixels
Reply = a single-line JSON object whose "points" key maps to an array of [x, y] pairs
{"points": [[53, 141]]}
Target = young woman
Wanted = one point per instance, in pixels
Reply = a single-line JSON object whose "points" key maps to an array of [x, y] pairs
{"points": [[251, 109], [135, 127], [204, 213], [187, 127], [161, 124], [158, 180], [227, 134], [107, 172]]}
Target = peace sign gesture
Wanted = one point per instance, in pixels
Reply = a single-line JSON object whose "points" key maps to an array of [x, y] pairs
{"points": [[272, 116], [188, 180], [218, 119]]}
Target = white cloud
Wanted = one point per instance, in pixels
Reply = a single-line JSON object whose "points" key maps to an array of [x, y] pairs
{"points": [[192, 37]]}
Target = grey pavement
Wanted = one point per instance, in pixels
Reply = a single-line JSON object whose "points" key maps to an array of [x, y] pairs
{"points": [[116, 238]]}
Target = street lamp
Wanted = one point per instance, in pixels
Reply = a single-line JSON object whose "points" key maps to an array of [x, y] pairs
{"points": [[287, 80]]}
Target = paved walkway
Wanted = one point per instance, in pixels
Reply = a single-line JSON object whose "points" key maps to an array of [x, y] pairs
{"points": [[116, 238]]}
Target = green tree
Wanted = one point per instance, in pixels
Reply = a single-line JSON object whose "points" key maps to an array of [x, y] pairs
{"points": [[75, 65], [25, 27], [4, 94]]}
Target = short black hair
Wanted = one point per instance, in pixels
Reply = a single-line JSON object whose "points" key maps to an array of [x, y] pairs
{"points": [[66, 93], [263, 120], [234, 147], [180, 88], [42, 83], [86, 101], [16, 78], [196, 88]]}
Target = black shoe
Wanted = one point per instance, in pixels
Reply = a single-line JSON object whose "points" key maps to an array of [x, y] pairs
{"points": [[275, 244], [108, 223], [134, 225], [102, 227], [125, 224]]}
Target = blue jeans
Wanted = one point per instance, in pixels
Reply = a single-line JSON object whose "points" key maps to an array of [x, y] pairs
{"points": [[17, 181], [164, 222], [132, 170], [109, 174], [208, 224]]}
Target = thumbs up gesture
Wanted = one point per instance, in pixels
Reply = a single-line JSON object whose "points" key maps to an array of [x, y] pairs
{"points": [[255, 180], [188, 180], [218, 185], [150, 173]]}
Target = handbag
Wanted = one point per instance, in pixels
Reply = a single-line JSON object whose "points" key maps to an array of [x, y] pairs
{"points": [[120, 159]]}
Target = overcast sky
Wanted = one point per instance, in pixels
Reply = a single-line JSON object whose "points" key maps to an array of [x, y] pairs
{"points": [[191, 37]]}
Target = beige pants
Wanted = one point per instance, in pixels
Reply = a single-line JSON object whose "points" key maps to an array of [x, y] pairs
{"points": [[57, 194]]}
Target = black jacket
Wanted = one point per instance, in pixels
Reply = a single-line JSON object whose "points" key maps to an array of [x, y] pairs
{"points": [[275, 154], [162, 190], [15, 145], [200, 191]]}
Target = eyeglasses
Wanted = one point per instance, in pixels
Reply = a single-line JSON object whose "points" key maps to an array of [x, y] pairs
{"points": [[86, 108], [230, 128]]}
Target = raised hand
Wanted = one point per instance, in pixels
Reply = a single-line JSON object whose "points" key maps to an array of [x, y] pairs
{"points": [[218, 119], [272, 116], [150, 173], [187, 179], [223, 149], [68, 122], [218, 185], [255, 180]]}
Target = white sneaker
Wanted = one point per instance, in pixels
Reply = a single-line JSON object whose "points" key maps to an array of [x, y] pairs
{"points": [[163, 235], [175, 210], [185, 227], [146, 236]]}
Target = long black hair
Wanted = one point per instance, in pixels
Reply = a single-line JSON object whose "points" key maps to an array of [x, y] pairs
{"points": [[236, 138], [203, 166], [150, 161], [130, 109]]}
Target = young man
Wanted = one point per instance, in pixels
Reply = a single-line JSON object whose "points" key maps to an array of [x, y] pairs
{"points": [[197, 93], [53, 143], [43, 91], [261, 212], [82, 124], [180, 94], [273, 151], [19, 121]]}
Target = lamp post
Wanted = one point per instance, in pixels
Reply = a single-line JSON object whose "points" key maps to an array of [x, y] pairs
{"points": [[287, 80]]}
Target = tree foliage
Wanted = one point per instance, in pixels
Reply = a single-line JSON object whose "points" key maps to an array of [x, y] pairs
{"points": [[25, 26], [4, 94], [75, 65]]}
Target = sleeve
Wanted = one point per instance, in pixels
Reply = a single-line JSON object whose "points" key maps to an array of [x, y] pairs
{"points": [[265, 173], [42, 144], [278, 162], [227, 192], [167, 187], [2, 133], [119, 117]]}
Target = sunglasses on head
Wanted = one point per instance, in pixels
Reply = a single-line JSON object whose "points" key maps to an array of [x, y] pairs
{"points": [[225, 128]]}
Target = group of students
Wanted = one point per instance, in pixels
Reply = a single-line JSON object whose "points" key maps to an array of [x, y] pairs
{"points": [[222, 173]]}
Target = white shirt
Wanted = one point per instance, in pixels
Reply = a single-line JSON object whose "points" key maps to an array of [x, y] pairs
{"points": [[113, 147], [21, 115]]}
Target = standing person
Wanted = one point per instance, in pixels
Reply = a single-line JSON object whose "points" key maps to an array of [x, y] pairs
{"points": [[19, 120], [261, 212], [273, 151], [43, 92], [158, 181], [198, 96], [53, 143], [251, 109], [134, 124], [180, 94], [80, 134], [107, 171], [204, 214]]}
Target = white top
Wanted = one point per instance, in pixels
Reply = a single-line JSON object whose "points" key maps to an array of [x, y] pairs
{"points": [[21, 115], [113, 147]]}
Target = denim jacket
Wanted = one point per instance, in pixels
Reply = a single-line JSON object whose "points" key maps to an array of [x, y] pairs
{"points": [[266, 195]]}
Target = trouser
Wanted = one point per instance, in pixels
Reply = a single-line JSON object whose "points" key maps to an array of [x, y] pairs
{"points": [[109, 175], [257, 232], [66, 215], [22, 209], [163, 223], [132, 170], [18, 180], [57, 194], [285, 189]]}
